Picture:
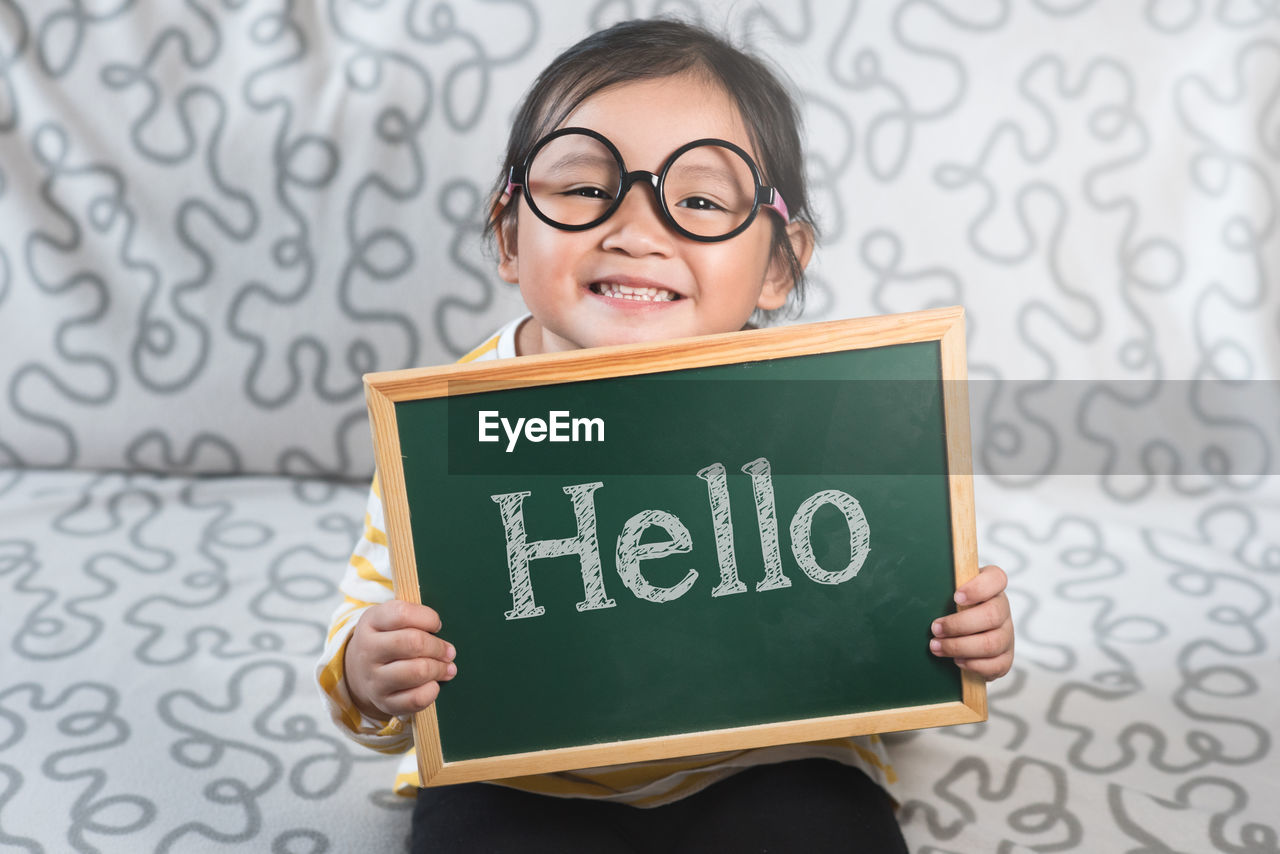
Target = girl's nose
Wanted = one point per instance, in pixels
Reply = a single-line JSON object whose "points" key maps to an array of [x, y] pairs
{"points": [[637, 227]]}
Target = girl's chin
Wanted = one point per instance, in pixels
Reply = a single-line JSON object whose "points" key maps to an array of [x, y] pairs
{"points": [[647, 331]]}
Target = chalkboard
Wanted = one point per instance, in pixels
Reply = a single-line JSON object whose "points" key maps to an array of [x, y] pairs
{"points": [[669, 549]]}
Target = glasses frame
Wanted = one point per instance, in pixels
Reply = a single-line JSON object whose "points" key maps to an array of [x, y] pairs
{"points": [[765, 196]]}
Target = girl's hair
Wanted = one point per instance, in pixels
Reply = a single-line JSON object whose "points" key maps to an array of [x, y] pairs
{"points": [[655, 48]]}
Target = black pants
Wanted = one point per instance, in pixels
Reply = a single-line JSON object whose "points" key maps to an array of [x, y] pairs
{"points": [[809, 806]]}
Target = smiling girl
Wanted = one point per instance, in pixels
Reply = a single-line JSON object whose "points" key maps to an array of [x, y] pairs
{"points": [[653, 188]]}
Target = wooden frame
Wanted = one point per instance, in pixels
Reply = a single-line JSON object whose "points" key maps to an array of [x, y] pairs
{"points": [[946, 326]]}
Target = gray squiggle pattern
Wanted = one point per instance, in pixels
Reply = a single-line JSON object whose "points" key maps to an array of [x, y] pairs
{"points": [[159, 635], [214, 217]]}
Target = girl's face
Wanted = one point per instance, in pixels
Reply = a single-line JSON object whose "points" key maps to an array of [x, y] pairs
{"points": [[570, 280]]}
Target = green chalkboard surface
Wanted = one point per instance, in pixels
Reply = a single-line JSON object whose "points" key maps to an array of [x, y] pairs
{"points": [[671, 549]]}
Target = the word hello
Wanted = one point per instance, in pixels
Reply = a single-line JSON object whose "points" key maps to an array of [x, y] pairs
{"points": [[630, 552]]}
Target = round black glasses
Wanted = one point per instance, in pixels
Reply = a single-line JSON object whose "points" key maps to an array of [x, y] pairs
{"points": [[708, 190]]}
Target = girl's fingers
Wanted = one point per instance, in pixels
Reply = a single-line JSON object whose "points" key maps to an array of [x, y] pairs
{"points": [[988, 668], [988, 583], [979, 637], [390, 616], [990, 644], [411, 701], [412, 643], [991, 614], [400, 676]]}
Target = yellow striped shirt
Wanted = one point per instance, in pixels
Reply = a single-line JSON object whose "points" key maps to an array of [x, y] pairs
{"points": [[367, 581]]}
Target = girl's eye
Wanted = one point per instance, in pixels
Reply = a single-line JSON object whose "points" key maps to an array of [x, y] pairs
{"points": [[589, 193], [699, 203]]}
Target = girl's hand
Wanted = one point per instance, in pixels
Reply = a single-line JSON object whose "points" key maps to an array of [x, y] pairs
{"points": [[979, 638], [394, 662]]}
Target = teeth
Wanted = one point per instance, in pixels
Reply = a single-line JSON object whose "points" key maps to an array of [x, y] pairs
{"points": [[632, 293]]}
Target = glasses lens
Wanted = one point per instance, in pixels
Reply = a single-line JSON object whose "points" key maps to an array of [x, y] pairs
{"points": [[573, 179], [709, 190]]}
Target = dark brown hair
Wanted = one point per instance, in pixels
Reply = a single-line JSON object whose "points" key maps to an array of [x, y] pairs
{"points": [[655, 48]]}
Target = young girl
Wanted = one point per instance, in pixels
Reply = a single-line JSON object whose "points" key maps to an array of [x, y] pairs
{"points": [[653, 188]]}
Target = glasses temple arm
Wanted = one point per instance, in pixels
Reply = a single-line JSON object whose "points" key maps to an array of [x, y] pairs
{"points": [[774, 203]]}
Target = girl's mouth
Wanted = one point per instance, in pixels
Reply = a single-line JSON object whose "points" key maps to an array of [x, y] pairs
{"points": [[633, 292]]}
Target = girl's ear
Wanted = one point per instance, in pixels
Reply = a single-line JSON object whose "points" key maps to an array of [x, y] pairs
{"points": [[778, 281], [505, 234]]}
